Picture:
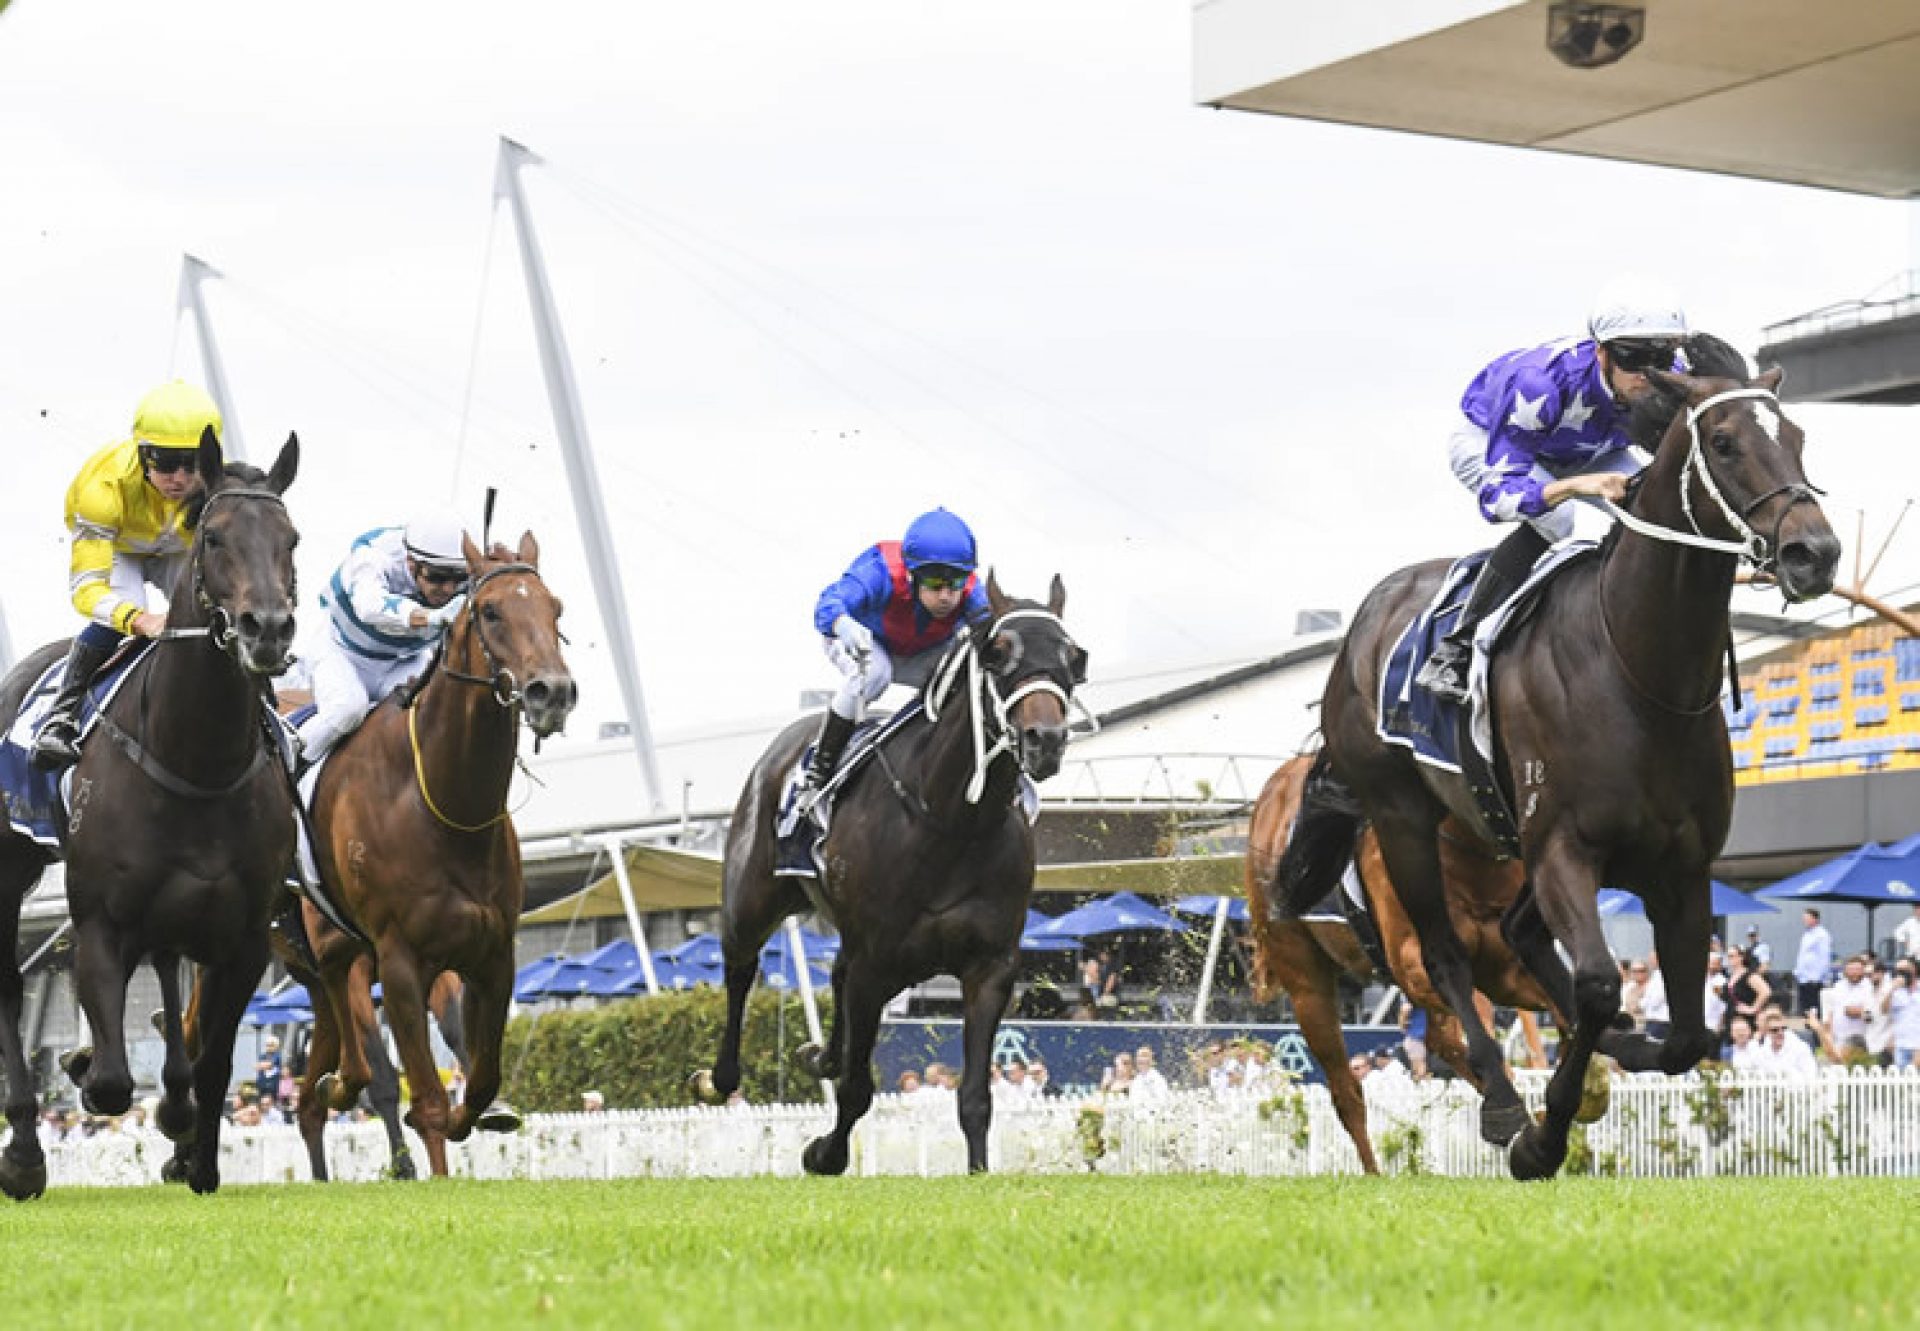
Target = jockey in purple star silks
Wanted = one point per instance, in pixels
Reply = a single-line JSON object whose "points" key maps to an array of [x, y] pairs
{"points": [[1549, 424], [886, 619]]}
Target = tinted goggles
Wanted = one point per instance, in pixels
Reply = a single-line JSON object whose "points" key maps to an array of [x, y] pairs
{"points": [[936, 578], [167, 461], [1639, 357]]}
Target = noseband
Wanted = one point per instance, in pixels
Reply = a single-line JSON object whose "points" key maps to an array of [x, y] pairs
{"points": [[992, 709], [219, 628], [500, 680], [1761, 551]]}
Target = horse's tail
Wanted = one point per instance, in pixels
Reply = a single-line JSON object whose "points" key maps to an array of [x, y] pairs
{"points": [[1321, 845]]}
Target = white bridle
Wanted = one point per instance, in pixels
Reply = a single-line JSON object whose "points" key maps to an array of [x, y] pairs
{"points": [[985, 692], [1751, 545]]}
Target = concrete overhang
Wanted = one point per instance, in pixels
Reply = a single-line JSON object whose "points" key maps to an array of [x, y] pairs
{"points": [[1824, 94]]}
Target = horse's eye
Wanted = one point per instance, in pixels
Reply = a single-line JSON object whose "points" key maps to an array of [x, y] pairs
{"points": [[490, 613], [213, 540], [1723, 443]]}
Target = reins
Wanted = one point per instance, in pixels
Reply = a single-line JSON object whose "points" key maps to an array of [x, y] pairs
{"points": [[988, 704]]}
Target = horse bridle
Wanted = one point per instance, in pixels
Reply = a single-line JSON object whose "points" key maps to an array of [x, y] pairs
{"points": [[219, 628], [992, 708], [504, 686], [1761, 551]]}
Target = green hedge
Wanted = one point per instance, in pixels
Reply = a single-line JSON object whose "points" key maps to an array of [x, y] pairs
{"points": [[640, 1053]]}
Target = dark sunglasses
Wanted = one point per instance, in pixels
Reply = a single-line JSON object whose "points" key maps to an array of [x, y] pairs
{"points": [[440, 577], [1636, 357], [167, 461], [942, 581]]}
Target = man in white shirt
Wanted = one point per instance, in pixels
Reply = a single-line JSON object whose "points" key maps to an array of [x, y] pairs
{"points": [[1848, 1005], [1814, 960], [1907, 936], [1782, 1053], [1149, 1085], [1655, 1016]]}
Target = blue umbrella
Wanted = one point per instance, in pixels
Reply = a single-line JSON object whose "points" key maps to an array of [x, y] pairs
{"points": [[1032, 940], [619, 955], [1873, 875], [1726, 901], [529, 982], [670, 975], [292, 1006], [1122, 912], [777, 975], [700, 950], [813, 946], [1236, 907]]}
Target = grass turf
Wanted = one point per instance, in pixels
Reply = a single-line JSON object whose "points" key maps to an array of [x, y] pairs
{"points": [[1165, 1253]]}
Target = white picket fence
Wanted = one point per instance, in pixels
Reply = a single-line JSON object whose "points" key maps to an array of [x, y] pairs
{"points": [[1857, 1123]]}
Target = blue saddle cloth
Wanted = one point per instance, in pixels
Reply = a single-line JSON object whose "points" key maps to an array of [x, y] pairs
{"points": [[796, 854], [36, 803], [1416, 720]]}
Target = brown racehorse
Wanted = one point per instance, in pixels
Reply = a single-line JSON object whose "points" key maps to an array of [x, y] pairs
{"points": [[1307, 957], [180, 827], [1611, 741], [929, 861], [413, 830]]}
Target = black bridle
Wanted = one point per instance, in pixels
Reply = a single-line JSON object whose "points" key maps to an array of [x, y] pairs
{"points": [[501, 681]]}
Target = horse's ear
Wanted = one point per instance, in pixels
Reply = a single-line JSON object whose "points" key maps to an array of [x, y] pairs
{"points": [[207, 460], [996, 599], [1683, 386], [529, 550], [1056, 596], [1771, 379], [286, 466], [472, 552]]}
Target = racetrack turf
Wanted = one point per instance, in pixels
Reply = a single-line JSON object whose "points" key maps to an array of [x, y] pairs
{"points": [[1164, 1253]]}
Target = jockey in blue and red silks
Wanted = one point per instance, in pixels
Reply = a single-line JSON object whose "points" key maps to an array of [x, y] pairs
{"points": [[1546, 425], [886, 618]]}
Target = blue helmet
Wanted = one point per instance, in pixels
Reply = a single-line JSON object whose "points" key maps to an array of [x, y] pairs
{"points": [[938, 538]]}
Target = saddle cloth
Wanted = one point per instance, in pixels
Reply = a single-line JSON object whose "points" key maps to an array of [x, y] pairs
{"points": [[303, 878], [1416, 720], [800, 835], [35, 797]]}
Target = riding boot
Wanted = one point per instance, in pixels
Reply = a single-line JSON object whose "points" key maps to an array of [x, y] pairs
{"points": [[835, 731], [58, 743], [1445, 673]]}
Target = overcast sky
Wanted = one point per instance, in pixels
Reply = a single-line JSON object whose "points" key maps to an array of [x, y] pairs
{"points": [[822, 267]]}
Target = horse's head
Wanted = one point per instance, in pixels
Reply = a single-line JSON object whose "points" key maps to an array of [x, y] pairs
{"points": [[1738, 458], [512, 624], [241, 569], [1036, 665]]}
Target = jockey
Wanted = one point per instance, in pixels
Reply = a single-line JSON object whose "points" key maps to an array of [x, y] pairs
{"points": [[886, 619], [127, 510], [1547, 425], [387, 606]]}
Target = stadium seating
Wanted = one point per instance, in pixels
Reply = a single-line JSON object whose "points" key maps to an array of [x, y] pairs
{"points": [[1845, 703]]}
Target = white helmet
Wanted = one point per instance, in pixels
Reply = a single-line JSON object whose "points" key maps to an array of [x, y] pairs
{"points": [[434, 538], [1636, 307]]}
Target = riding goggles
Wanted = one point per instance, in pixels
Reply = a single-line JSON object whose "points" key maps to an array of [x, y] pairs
{"points": [[937, 578], [1638, 357], [439, 577], [166, 461]]}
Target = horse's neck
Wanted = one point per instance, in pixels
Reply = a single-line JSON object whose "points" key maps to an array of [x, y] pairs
{"points": [[950, 764], [467, 745], [196, 708], [1666, 604]]}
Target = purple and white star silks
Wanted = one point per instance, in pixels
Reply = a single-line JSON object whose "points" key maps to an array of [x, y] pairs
{"points": [[1547, 404]]}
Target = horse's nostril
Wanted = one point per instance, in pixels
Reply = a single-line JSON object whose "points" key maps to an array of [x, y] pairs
{"points": [[537, 693]]}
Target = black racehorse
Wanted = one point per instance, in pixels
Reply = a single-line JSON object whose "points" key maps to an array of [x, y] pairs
{"points": [[929, 860], [1611, 744], [180, 826]]}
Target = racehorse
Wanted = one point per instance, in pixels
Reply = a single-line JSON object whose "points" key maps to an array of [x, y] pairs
{"points": [[180, 825], [1307, 957], [412, 828], [1610, 741], [929, 861]]}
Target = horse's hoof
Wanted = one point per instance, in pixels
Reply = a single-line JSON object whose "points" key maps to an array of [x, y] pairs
{"points": [[205, 1182], [174, 1170], [810, 1058], [499, 1117], [1596, 1092], [77, 1063], [177, 1121], [21, 1182], [402, 1166], [106, 1101], [1530, 1157], [823, 1158], [701, 1084], [332, 1092], [1502, 1125]]}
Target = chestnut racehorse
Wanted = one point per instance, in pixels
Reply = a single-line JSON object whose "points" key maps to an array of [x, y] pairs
{"points": [[413, 830]]}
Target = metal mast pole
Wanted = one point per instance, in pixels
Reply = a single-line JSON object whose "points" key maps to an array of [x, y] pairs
{"points": [[192, 273], [570, 423]]}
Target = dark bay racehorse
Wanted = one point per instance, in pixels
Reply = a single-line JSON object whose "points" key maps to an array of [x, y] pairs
{"points": [[413, 829], [1612, 746], [1306, 958], [180, 828], [929, 860]]}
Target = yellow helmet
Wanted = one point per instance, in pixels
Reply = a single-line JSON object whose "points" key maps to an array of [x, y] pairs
{"points": [[174, 415]]}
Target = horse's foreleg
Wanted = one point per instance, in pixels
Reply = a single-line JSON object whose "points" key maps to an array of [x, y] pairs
{"points": [[23, 1165], [485, 1001], [1682, 931], [101, 969], [406, 1004], [984, 995], [323, 1057], [825, 1061], [175, 1118], [445, 1001], [224, 992], [383, 1093], [853, 1093], [348, 981], [1312, 980], [1567, 883], [1411, 848]]}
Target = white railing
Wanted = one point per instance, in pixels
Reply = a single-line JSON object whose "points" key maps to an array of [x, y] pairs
{"points": [[1859, 1123]]}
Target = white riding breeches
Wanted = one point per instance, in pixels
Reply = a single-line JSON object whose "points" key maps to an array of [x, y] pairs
{"points": [[345, 687], [1467, 455], [862, 682]]}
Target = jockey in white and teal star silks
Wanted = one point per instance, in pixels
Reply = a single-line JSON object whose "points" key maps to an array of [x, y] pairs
{"points": [[387, 606]]}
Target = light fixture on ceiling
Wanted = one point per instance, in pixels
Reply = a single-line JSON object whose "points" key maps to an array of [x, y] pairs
{"points": [[1588, 36]]}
